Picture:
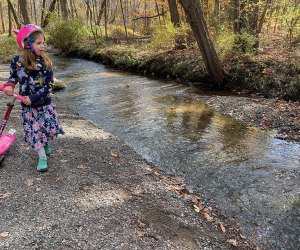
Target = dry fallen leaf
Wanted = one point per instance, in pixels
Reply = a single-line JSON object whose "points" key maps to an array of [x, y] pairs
{"points": [[177, 187], [82, 167], [195, 198], [113, 153], [242, 236], [157, 173], [172, 180], [265, 126], [222, 227], [197, 208], [233, 242], [140, 224], [4, 234], [184, 195], [140, 233], [5, 195], [207, 216], [29, 182]]}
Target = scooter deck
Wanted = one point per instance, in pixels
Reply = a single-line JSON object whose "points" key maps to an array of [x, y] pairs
{"points": [[5, 141]]}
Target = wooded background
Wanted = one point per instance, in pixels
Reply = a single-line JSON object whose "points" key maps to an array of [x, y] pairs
{"points": [[207, 23], [138, 17]]}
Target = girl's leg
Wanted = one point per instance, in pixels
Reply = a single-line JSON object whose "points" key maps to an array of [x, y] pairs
{"points": [[42, 165], [48, 150]]}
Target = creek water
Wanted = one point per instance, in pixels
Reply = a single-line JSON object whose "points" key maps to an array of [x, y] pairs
{"points": [[251, 176]]}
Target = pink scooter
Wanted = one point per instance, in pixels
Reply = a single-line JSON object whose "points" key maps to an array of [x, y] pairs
{"points": [[7, 138]]}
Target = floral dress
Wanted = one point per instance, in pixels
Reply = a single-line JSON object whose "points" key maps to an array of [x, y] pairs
{"points": [[40, 121]]}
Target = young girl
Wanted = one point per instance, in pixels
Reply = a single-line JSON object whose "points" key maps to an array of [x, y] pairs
{"points": [[33, 71]]}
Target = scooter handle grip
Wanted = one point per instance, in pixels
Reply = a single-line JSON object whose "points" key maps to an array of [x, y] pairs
{"points": [[19, 97]]}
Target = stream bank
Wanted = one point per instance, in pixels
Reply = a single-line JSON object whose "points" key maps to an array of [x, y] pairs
{"points": [[265, 73]]}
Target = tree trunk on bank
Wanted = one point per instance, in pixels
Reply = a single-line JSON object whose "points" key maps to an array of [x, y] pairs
{"points": [[102, 10], [51, 9], [263, 15], [235, 15], [2, 18], [11, 8], [24, 11], [174, 13], [197, 22], [43, 11], [124, 19], [64, 9], [9, 21], [179, 40]]}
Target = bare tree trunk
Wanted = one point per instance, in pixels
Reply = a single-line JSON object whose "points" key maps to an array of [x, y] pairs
{"points": [[2, 18], [43, 11], [242, 16], [51, 9], [263, 15], [105, 18], [253, 17], [75, 9], [174, 13], [235, 12], [9, 20], [269, 19], [34, 11], [217, 9], [72, 9], [87, 11], [102, 9], [196, 19], [276, 17], [124, 19], [179, 40], [11, 8], [157, 10], [24, 11], [64, 8]]}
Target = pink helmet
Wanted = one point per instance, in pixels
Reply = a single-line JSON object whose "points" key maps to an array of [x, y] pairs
{"points": [[25, 32]]}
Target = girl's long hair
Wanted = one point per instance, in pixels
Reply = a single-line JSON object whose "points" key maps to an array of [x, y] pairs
{"points": [[29, 58]]}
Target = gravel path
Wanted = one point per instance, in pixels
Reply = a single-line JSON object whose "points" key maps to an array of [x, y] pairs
{"points": [[98, 194]]}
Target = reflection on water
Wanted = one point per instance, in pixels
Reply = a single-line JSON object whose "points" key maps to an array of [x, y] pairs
{"points": [[251, 176]]}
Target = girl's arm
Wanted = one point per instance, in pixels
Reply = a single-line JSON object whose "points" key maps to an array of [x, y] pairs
{"points": [[46, 89]]}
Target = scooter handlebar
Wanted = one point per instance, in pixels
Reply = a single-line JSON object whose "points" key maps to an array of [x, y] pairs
{"points": [[19, 97]]}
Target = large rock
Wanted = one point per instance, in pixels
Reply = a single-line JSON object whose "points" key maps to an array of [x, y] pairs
{"points": [[58, 85]]}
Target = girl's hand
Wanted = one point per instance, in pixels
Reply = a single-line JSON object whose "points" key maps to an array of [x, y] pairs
{"points": [[9, 90], [27, 100]]}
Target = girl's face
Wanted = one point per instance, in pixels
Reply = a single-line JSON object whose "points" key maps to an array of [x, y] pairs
{"points": [[39, 45]]}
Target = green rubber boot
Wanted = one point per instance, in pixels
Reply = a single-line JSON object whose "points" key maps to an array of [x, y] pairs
{"points": [[48, 150], [42, 165]]}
